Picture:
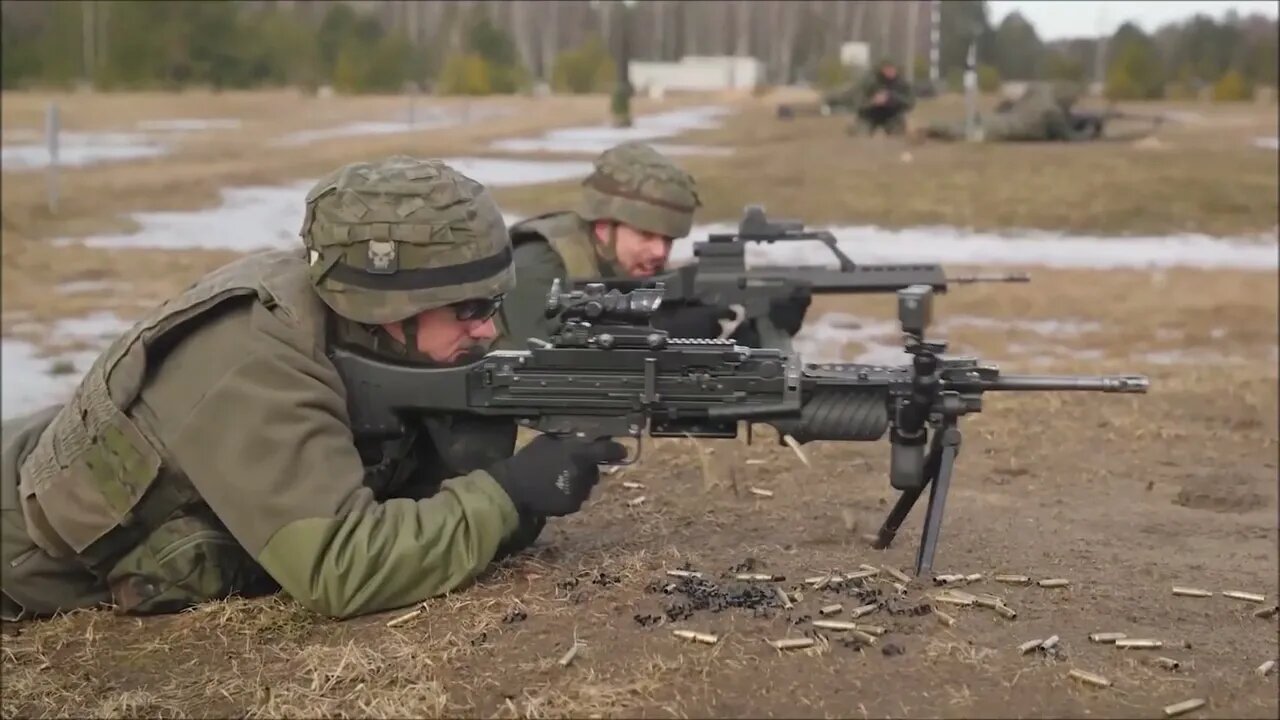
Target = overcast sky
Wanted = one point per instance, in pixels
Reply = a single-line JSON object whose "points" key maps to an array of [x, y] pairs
{"points": [[1056, 19]]}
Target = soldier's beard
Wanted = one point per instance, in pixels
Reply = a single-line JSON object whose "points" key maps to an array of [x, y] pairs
{"points": [[469, 354]]}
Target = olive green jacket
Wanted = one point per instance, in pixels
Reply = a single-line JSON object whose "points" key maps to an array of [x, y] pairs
{"points": [[547, 248], [210, 445]]}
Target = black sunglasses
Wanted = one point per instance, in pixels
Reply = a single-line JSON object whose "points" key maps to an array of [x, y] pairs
{"points": [[477, 309]]}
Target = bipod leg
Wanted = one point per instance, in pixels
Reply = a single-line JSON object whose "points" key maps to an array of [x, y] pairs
{"points": [[949, 435], [907, 500]]}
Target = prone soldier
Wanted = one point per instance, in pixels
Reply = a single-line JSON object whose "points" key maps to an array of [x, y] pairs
{"points": [[209, 452]]}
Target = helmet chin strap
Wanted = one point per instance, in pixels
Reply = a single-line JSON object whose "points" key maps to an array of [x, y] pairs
{"points": [[409, 326]]}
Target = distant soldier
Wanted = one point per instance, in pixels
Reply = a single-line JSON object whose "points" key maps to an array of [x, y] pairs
{"points": [[1041, 114], [883, 100]]}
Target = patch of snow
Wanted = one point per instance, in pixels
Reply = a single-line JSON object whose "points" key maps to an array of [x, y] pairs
{"points": [[78, 287], [188, 124], [78, 149], [31, 382], [270, 216], [595, 139], [423, 119]]}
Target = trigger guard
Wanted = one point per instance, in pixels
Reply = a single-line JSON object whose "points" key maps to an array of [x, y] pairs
{"points": [[633, 460]]}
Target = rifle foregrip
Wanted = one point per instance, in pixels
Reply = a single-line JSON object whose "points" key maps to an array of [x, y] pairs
{"points": [[831, 414]]}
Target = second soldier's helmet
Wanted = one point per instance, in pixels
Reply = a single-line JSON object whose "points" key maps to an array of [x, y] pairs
{"points": [[391, 239], [636, 185]]}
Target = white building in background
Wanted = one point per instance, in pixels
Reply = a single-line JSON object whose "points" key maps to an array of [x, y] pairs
{"points": [[855, 55], [697, 73]]}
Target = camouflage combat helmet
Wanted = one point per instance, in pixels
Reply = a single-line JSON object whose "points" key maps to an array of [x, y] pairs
{"points": [[636, 185], [390, 239]]}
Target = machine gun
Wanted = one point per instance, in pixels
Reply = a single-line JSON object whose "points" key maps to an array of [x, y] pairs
{"points": [[720, 276], [606, 372]]}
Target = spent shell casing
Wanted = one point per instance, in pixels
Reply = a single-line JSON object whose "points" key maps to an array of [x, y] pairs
{"points": [[792, 643], [944, 618], [760, 491], [860, 575], [1005, 611], [897, 574], [899, 588], [1247, 596], [755, 462], [1191, 592], [1054, 583], [799, 451], [1089, 678], [863, 610], [872, 629], [1265, 668], [569, 655], [1029, 645], [1266, 612], [975, 577], [830, 609], [947, 579], [1012, 579], [636, 501], [1185, 706], [1050, 643], [864, 638], [701, 637], [784, 597], [837, 625], [816, 579], [958, 597], [628, 484], [1167, 663], [684, 573], [1139, 643], [987, 601], [412, 615], [869, 568], [1107, 637], [758, 577]]}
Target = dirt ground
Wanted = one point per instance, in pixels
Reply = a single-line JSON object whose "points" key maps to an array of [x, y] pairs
{"points": [[1125, 496]]}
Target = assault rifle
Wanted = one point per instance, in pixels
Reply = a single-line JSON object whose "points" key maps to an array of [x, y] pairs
{"points": [[606, 372], [720, 276]]}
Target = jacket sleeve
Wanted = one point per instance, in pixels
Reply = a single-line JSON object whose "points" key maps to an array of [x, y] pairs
{"points": [[269, 449], [537, 265]]}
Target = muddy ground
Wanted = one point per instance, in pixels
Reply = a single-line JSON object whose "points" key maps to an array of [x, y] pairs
{"points": [[1125, 496]]}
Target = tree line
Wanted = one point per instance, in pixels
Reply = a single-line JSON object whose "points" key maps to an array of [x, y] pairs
{"points": [[504, 46]]}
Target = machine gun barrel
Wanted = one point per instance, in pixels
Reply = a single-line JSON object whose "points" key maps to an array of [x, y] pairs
{"points": [[1095, 383]]}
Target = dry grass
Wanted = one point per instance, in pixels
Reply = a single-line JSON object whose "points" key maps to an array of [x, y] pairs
{"points": [[1124, 495], [808, 168]]}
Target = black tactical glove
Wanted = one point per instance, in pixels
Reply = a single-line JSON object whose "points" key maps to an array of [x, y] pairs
{"points": [[553, 476], [787, 314], [691, 321]]}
